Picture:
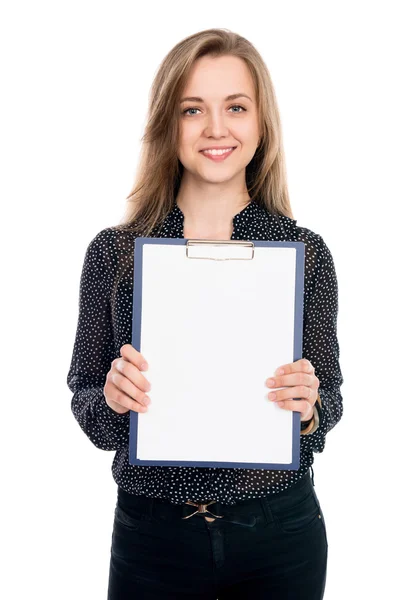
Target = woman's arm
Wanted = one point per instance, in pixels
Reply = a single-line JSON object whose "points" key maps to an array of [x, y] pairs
{"points": [[94, 352], [320, 344]]}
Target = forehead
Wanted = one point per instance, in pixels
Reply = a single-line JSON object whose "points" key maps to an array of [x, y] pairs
{"points": [[212, 77]]}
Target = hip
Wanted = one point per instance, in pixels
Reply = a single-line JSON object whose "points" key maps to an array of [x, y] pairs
{"points": [[294, 511]]}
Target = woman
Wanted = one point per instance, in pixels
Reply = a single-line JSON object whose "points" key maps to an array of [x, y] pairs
{"points": [[196, 532]]}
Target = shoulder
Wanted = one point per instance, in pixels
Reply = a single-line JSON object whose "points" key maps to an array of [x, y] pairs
{"points": [[297, 233], [319, 265], [111, 237], [109, 243], [109, 254], [316, 248]]}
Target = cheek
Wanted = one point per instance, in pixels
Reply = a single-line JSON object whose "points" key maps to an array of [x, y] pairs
{"points": [[246, 129], [186, 154], [190, 130], [188, 141], [247, 133]]}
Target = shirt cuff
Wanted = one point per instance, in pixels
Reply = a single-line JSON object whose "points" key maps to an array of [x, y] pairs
{"points": [[314, 423], [110, 414]]}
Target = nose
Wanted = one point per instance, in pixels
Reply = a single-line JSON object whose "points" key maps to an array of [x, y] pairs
{"points": [[216, 125]]}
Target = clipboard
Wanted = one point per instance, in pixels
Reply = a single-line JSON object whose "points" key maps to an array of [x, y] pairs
{"points": [[214, 319]]}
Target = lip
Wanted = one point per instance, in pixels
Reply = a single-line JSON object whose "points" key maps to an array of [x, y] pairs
{"points": [[217, 148], [221, 157]]}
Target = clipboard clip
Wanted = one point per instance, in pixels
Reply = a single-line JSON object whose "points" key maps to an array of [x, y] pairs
{"points": [[220, 249]]}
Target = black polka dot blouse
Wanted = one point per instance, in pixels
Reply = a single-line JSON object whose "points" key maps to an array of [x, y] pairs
{"points": [[105, 324]]}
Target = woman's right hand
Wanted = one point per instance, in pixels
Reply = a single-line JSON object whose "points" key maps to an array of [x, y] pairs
{"points": [[126, 387]]}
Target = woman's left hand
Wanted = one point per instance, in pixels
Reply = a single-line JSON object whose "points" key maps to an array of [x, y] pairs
{"points": [[302, 383]]}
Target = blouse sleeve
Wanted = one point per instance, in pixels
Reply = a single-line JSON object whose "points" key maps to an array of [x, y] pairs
{"points": [[93, 353], [320, 344]]}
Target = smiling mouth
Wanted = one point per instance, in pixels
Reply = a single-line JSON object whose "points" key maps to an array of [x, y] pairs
{"points": [[216, 149], [218, 156]]}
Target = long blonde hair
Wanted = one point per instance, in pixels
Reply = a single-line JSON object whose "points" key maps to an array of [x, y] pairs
{"points": [[159, 172]]}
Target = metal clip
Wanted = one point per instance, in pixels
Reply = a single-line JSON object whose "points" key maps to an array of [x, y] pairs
{"points": [[220, 249], [202, 509]]}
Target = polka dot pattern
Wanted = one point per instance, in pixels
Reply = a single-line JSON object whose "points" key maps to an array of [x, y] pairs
{"points": [[105, 324]]}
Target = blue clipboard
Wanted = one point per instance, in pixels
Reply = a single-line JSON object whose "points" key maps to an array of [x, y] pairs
{"points": [[153, 288]]}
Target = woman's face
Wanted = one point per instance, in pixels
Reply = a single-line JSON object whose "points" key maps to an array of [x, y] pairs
{"points": [[212, 120]]}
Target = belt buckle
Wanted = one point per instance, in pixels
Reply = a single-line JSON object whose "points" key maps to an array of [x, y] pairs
{"points": [[202, 509]]}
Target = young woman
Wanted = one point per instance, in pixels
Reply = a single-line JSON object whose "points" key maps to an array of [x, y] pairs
{"points": [[212, 167]]}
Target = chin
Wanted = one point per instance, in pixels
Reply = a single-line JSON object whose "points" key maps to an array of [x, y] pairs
{"points": [[218, 177]]}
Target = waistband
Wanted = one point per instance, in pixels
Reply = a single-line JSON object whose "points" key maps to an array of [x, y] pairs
{"points": [[242, 512]]}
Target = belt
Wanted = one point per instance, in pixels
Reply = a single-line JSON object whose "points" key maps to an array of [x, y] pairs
{"points": [[245, 513], [230, 516], [202, 510]]}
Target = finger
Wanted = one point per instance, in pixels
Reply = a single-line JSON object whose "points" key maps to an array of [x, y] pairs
{"points": [[301, 406], [300, 391], [299, 365], [298, 378], [125, 400], [125, 385], [130, 353], [132, 373]]}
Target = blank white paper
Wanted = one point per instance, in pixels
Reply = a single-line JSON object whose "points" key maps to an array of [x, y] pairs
{"points": [[212, 333]]}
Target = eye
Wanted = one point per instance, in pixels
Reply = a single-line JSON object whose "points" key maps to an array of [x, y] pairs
{"points": [[184, 112], [238, 106]]}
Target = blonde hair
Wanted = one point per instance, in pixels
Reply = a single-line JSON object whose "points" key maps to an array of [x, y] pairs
{"points": [[159, 171]]}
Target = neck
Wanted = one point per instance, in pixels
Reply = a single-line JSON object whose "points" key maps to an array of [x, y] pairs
{"points": [[210, 209]]}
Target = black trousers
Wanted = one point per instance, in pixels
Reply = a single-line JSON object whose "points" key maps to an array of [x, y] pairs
{"points": [[274, 548]]}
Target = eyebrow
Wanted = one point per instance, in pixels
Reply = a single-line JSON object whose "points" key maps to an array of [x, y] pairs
{"points": [[231, 97]]}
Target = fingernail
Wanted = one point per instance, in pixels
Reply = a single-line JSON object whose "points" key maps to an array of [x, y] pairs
{"points": [[144, 366], [279, 371]]}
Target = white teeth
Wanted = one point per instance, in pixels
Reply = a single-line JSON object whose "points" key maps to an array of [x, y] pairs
{"points": [[217, 152]]}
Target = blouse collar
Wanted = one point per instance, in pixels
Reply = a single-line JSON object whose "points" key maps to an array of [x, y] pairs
{"points": [[253, 222], [243, 222]]}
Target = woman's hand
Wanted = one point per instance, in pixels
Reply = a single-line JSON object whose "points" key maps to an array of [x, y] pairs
{"points": [[125, 385], [302, 383]]}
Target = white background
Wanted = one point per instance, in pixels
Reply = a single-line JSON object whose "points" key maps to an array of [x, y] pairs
{"points": [[75, 79]]}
